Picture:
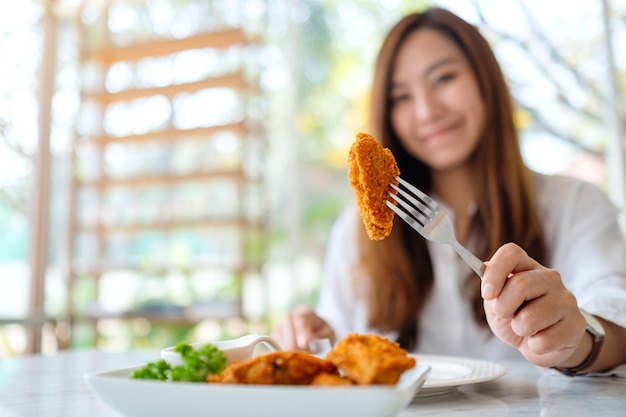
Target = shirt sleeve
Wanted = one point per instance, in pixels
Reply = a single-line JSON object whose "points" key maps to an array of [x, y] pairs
{"points": [[586, 245]]}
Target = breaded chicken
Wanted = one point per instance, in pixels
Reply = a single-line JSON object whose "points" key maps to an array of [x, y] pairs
{"points": [[370, 359], [326, 379], [371, 169], [281, 367]]}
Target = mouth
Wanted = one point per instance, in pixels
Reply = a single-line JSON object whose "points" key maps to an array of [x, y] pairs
{"points": [[438, 132]]}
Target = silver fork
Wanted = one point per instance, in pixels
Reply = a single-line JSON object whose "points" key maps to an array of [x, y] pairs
{"points": [[426, 216]]}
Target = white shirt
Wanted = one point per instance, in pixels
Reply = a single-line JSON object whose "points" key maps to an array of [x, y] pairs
{"points": [[584, 242]]}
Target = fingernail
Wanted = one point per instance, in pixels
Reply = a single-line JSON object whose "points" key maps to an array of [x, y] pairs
{"points": [[488, 292], [302, 342]]}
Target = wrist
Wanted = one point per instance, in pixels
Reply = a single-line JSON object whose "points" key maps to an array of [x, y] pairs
{"points": [[588, 349], [580, 354]]}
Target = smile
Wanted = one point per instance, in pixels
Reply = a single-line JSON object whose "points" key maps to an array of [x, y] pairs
{"points": [[436, 133]]}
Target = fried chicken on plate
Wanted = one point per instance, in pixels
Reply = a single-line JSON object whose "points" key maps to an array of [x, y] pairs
{"points": [[370, 359], [281, 367], [358, 359]]}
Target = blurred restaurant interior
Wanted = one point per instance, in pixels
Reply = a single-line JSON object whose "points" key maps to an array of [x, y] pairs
{"points": [[170, 169]]}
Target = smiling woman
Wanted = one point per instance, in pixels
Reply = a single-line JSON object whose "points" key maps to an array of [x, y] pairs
{"points": [[441, 104]]}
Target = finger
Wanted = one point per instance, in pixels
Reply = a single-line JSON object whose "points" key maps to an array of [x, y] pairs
{"points": [[289, 333], [563, 336], [326, 332], [519, 295], [531, 320], [304, 322], [300, 327], [551, 306], [508, 259]]}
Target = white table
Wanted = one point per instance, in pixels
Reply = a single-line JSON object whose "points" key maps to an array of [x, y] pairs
{"points": [[40, 386]]}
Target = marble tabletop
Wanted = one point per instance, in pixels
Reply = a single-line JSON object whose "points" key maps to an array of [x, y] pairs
{"points": [[40, 386]]}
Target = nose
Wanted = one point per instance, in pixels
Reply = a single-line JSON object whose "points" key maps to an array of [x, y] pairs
{"points": [[427, 107]]}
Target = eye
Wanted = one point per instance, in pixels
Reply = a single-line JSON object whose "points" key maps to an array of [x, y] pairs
{"points": [[445, 77], [398, 98]]}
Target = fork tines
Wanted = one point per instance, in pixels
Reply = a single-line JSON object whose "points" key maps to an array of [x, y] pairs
{"points": [[420, 206], [425, 215]]}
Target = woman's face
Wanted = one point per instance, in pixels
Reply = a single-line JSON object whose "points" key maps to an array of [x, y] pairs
{"points": [[436, 107]]}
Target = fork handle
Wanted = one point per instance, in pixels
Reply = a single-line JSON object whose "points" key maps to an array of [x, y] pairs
{"points": [[476, 264]]}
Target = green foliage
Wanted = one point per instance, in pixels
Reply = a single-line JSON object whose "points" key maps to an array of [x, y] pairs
{"points": [[197, 365], [160, 370]]}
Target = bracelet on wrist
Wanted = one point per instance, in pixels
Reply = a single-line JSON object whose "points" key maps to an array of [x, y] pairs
{"points": [[595, 329]]}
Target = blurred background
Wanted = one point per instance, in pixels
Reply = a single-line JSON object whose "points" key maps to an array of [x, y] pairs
{"points": [[170, 169]]}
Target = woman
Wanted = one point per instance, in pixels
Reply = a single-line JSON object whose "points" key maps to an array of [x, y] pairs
{"points": [[441, 105]]}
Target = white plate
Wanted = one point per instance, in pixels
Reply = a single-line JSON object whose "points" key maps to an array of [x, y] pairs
{"points": [[449, 372], [134, 397]]}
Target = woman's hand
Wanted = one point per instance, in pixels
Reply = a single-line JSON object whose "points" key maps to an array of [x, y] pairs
{"points": [[528, 307], [300, 327]]}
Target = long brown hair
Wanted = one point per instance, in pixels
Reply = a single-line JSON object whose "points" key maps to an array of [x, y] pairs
{"points": [[399, 267]]}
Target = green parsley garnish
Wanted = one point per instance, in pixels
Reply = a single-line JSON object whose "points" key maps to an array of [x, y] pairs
{"points": [[197, 365]]}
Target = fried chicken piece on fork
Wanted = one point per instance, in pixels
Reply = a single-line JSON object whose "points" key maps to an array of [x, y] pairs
{"points": [[371, 169]]}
